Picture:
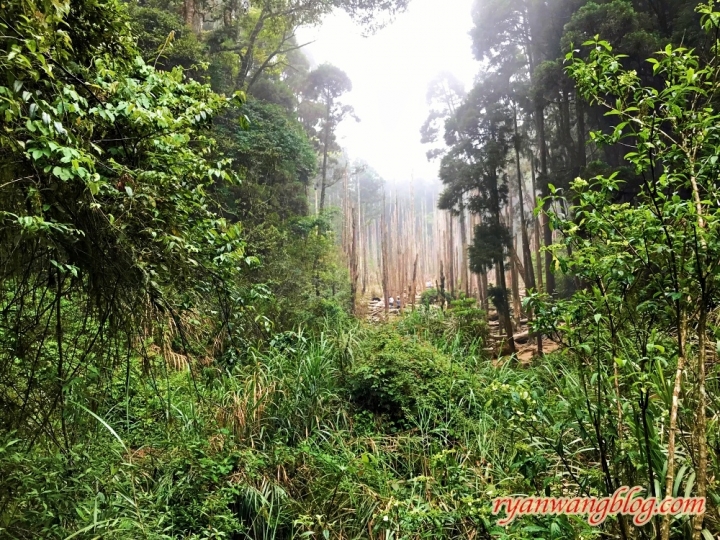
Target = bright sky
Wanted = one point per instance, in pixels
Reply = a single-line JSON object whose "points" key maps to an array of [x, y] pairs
{"points": [[390, 72]]}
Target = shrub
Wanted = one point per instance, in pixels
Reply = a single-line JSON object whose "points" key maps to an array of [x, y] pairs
{"points": [[468, 321], [399, 375]]}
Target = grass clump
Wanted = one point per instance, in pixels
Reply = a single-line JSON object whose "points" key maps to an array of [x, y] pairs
{"points": [[400, 375]]}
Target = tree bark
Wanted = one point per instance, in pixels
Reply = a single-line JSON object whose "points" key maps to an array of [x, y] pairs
{"points": [[354, 262], [580, 113], [246, 61], [547, 232], [451, 254], [537, 227], [504, 307], [413, 292], [529, 275], [701, 419], [383, 242], [514, 268], [484, 292], [464, 258], [672, 429], [326, 139], [442, 286]]}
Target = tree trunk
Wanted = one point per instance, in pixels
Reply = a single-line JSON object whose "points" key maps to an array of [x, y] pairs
{"points": [[326, 139], [537, 227], [451, 254], [517, 301], [672, 428], [504, 307], [701, 419], [413, 292], [517, 262], [383, 242], [354, 262], [442, 286], [463, 242], [191, 15], [247, 58], [566, 127], [484, 292], [580, 113], [514, 268], [547, 233]]}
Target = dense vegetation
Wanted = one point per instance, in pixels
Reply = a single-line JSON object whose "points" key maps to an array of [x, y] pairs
{"points": [[179, 357], [627, 221]]}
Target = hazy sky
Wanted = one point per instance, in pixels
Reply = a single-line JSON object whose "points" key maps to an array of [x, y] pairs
{"points": [[390, 72]]}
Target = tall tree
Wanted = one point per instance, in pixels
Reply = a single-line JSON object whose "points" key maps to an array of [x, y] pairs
{"points": [[445, 93], [325, 85], [479, 136], [252, 37]]}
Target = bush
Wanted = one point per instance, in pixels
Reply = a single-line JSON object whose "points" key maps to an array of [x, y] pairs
{"points": [[467, 321], [462, 328], [433, 296], [399, 375]]}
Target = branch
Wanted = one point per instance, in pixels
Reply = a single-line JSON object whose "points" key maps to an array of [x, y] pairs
{"points": [[275, 53]]}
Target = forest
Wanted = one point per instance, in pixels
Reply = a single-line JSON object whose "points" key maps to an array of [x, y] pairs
{"points": [[217, 322]]}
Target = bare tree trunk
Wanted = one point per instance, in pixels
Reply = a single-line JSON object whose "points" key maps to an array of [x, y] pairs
{"points": [[515, 273], [191, 15], [365, 254], [451, 254], [514, 266], [413, 292], [326, 141], [464, 257], [580, 113], [504, 307], [484, 292], [672, 428], [528, 273], [701, 418], [354, 263], [547, 232], [442, 286], [383, 241], [537, 227], [189, 12]]}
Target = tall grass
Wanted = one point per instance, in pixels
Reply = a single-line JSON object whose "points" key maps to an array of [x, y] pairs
{"points": [[278, 446]]}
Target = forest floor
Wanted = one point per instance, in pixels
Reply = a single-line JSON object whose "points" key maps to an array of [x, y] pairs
{"points": [[526, 348]]}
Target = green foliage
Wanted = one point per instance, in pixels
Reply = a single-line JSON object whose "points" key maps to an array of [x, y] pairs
{"points": [[467, 321], [165, 42], [460, 329], [498, 297], [274, 159], [489, 245], [432, 296], [402, 377], [111, 142], [645, 315], [176, 359]]}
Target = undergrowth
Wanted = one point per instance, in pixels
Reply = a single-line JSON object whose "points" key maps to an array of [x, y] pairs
{"points": [[348, 432]]}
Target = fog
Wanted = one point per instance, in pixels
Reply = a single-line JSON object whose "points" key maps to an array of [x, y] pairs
{"points": [[390, 72]]}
